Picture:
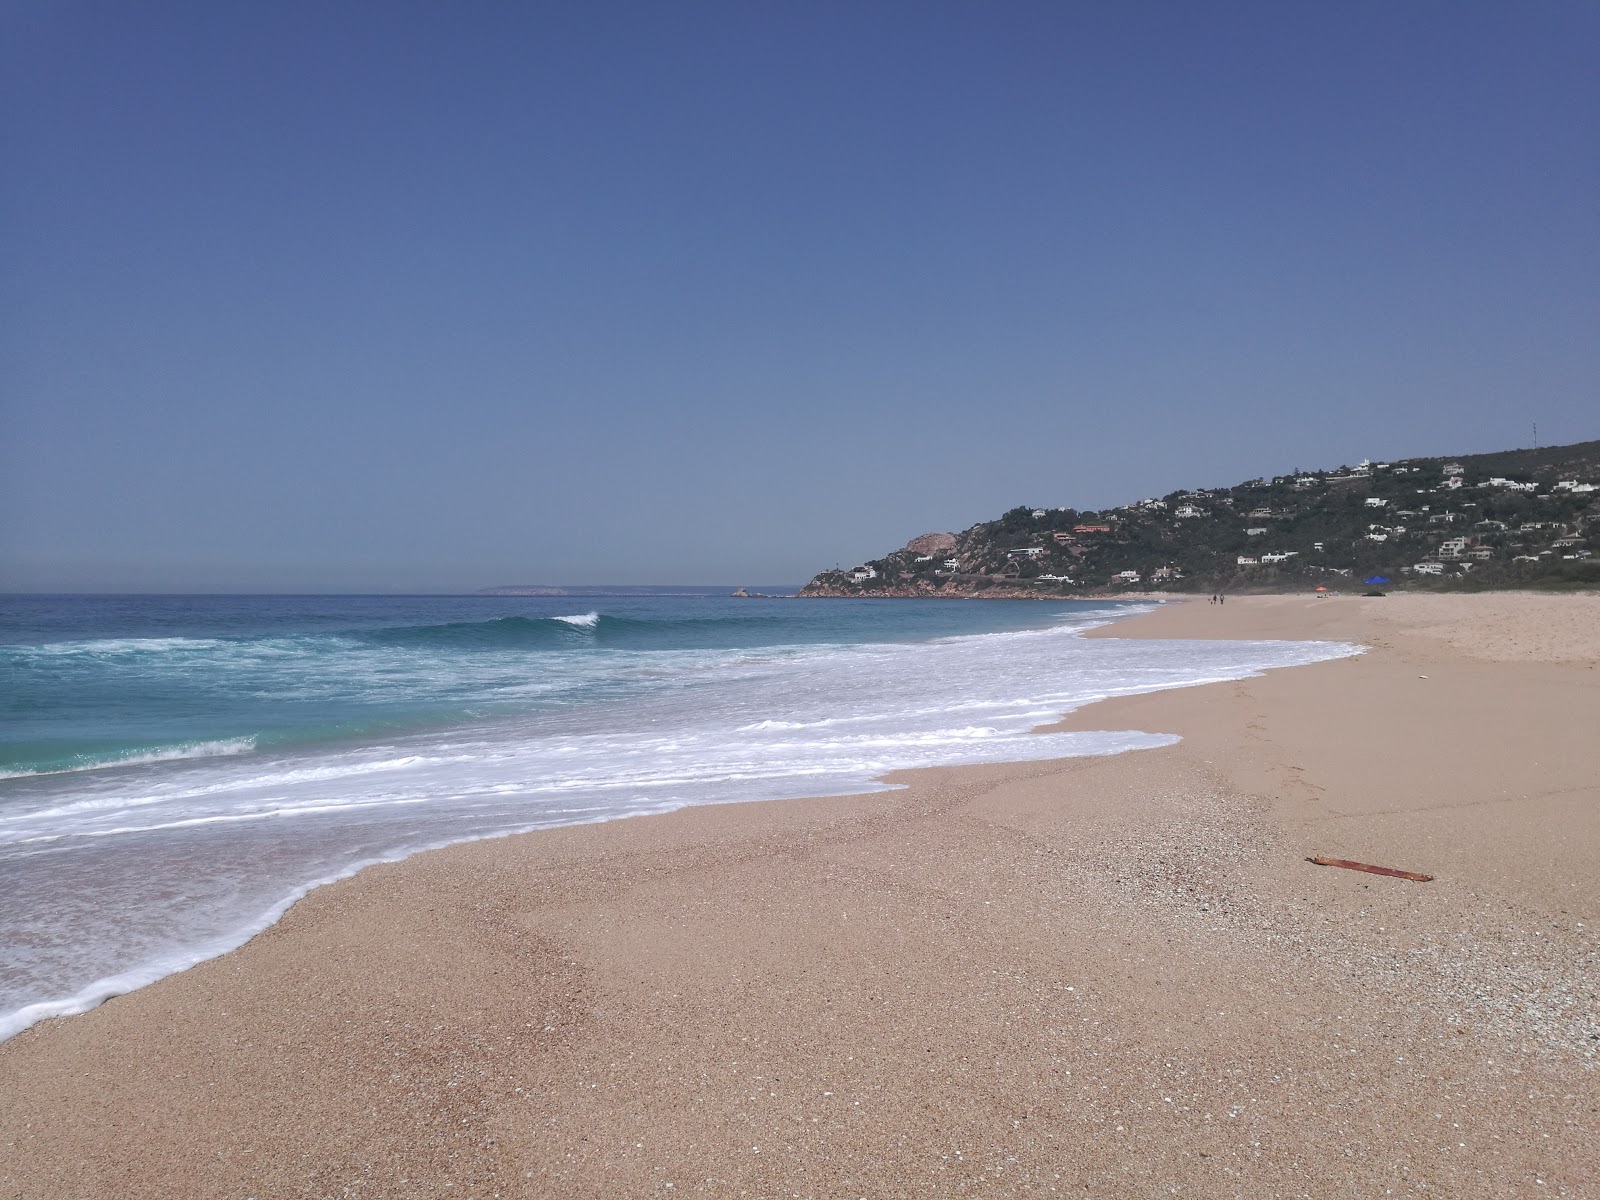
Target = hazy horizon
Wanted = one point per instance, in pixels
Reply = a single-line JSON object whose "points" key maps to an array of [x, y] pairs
{"points": [[576, 591]]}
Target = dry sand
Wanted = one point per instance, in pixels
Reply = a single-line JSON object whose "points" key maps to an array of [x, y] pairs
{"points": [[1110, 977]]}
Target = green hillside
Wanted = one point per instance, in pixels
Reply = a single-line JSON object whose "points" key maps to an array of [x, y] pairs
{"points": [[1514, 518]]}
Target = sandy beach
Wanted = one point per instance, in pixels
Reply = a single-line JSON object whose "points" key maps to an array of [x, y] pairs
{"points": [[1112, 977]]}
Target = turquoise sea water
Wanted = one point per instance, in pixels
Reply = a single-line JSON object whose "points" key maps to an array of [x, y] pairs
{"points": [[174, 771], [89, 681]]}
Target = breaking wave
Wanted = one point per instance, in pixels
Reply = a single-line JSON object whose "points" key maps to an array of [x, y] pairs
{"points": [[141, 757]]}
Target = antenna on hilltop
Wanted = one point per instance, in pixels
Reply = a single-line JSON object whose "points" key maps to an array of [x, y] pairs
{"points": [[1536, 435]]}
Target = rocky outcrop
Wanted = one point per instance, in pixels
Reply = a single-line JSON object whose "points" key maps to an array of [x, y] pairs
{"points": [[931, 543]]}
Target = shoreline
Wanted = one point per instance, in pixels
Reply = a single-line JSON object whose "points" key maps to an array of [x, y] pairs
{"points": [[1110, 975], [214, 945]]}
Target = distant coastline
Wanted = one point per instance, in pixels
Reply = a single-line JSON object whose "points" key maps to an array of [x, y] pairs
{"points": [[981, 588], [1512, 519]]}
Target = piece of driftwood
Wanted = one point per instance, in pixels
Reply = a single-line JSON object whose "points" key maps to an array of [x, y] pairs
{"points": [[1414, 876]]}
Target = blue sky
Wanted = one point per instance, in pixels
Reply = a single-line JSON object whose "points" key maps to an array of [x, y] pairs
{"points": [[405, 296]]}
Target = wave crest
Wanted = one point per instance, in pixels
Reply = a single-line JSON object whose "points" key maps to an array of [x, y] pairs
{"points": [[140, 757], [586, 620]]}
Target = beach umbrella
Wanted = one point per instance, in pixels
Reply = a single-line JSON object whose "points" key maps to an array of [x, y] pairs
{"points": [[1322, 589], [1375, 579]]}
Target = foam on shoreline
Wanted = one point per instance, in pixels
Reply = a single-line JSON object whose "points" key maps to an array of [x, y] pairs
{"points": [[148, 873]]}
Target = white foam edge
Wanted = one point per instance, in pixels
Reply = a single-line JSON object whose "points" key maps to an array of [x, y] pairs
{"points": [[1347, 650], [221, 748], [101, 990], [98, 992]]}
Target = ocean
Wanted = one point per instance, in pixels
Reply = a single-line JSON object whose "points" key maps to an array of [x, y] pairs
{"points": [[175, 771]]}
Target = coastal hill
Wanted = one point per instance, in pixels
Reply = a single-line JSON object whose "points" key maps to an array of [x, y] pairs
{"points": [[1514, 518]]}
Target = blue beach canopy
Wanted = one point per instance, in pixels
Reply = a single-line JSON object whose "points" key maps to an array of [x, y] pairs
{"points": [[1376, 579]]}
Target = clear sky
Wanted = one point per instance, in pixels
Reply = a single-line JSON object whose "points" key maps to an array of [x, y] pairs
{"points": [[421, 296]]}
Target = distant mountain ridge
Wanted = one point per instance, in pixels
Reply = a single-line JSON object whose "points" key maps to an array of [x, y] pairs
{"points": [[1511, 518]]}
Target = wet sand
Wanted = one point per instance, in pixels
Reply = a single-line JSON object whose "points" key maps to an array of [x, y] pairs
{"points": [[1109, 977]]}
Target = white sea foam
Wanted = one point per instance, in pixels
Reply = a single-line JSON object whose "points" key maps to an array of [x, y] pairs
{"points": [[586, 620], [116, 879], [20, 817], [222, 748], [120, 646], [208, 947]]}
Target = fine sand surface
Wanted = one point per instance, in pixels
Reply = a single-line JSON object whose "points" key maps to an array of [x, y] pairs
{"points": [[1112, 977]]}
